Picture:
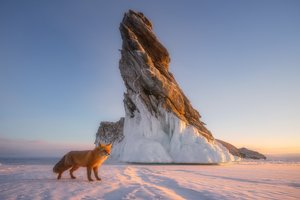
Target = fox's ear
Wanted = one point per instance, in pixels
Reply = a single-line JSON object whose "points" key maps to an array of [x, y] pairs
{"points": [[100, 145], [109, 145]]}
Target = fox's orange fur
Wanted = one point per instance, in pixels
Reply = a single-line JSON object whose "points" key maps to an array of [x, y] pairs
{"points": [[91, 159]]}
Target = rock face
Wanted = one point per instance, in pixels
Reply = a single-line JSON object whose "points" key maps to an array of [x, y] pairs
{"points": [[160, 124]]}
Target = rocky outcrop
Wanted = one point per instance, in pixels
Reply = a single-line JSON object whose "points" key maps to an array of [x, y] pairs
{"points": [[110, 132], [242, 152], [249, 154]]}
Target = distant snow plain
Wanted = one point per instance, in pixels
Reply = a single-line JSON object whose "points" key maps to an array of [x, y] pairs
{"points": [[240, 180]]}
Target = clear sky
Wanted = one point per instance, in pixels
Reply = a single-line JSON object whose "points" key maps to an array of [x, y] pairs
{"points": [[237, 61]]}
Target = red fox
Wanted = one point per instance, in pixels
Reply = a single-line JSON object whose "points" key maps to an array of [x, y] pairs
{"points": [[91, 159]]}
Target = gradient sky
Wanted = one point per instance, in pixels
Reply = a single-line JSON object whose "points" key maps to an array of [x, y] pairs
{"points": [[237, 61]]}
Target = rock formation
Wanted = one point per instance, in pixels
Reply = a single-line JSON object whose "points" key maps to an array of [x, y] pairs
{"points": [[110, 132], [160, 124], [242, 152], [249, 154]]}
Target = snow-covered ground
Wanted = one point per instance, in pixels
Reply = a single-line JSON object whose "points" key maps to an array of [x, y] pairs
{"points": [[244, 180]]}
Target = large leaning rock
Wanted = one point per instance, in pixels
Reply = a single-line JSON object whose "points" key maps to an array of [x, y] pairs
{"points": [[144, 68], [160, 124]]}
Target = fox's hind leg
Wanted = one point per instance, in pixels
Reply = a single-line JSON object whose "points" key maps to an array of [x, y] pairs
{"points": [[72, 170], [64, 168], [95, 169]]}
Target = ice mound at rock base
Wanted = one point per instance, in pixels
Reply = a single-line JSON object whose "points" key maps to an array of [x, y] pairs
{"points": [[166, 140]]}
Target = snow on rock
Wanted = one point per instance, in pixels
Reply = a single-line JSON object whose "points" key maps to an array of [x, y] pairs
{"points": [[160, 125]]}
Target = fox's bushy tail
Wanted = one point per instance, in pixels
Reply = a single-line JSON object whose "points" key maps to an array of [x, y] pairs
{"points": [[61, 165]]}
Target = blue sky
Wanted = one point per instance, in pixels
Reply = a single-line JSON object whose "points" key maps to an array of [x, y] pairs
{"points": [[237, 61]]}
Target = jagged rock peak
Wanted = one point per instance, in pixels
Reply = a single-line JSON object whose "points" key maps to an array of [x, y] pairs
{"points": [[144, 67], [136, 32]]}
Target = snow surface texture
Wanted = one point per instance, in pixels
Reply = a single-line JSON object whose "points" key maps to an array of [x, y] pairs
{"points": [[232, 181], [168, 139]]}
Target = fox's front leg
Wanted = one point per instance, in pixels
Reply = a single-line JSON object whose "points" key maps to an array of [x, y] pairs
{"points": [[95, 169], [89, 172], [59, 175]]}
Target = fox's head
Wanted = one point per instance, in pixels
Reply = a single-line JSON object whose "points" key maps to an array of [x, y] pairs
{"points": [[104, 149]]}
